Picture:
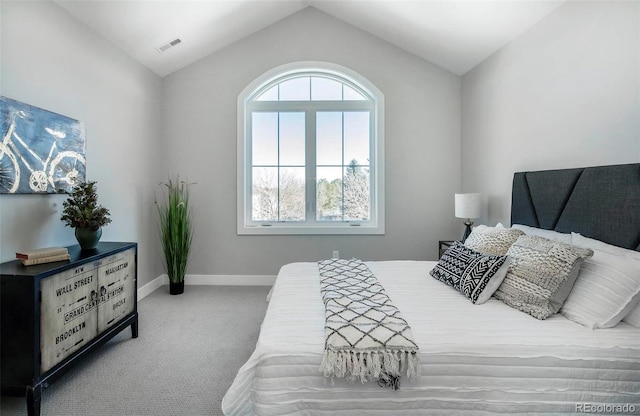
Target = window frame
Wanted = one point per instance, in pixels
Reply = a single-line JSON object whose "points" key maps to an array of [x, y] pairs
{"points": [[247, 104]]}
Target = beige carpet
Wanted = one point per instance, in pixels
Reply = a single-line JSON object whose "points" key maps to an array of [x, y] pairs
{"points": [[189, 349]]}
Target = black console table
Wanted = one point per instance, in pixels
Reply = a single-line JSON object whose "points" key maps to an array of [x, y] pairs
{"points": [[54, 314]]}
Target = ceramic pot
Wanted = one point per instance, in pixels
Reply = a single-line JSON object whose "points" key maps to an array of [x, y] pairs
{"points": [[88, 238], [176, 288]]}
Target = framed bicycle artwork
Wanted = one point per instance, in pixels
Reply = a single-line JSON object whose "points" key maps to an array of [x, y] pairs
{"points": [[41, 151]]}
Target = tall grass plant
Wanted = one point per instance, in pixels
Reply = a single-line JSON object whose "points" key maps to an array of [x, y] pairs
{"points": [[176, 227]]}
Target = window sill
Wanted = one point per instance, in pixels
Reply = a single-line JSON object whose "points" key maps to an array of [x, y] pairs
{"points": [[307, 230]]}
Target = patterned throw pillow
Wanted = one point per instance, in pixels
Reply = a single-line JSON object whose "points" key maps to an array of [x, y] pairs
{"points": [[473, 274], [541, 275], [492, 240]]}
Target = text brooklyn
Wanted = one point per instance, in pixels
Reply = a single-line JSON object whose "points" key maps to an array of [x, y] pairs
{"points": [[68, 333]]}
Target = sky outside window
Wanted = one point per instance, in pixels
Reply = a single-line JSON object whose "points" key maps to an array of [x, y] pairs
{"points": [[311, 88]]}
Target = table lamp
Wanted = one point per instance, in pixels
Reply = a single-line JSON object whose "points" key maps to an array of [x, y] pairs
{"points": [[468, 206]]}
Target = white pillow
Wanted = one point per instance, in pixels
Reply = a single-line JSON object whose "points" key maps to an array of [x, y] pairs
{"points": [[633, 317], [541, 232], [582, 241], [607, 289]]}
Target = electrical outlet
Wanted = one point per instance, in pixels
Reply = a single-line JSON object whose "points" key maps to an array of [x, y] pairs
{"points": [[336, 255]]}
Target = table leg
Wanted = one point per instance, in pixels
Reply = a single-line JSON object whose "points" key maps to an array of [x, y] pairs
{"points": [[34, 396], [134, 329]]}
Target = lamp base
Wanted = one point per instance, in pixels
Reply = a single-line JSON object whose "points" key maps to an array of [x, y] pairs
{"points": [[468, 223]]}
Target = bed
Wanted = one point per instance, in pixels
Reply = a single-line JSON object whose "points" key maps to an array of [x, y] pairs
{"points": [[474, 359]]}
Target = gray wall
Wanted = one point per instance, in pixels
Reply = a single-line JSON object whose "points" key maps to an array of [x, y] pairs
{"points": [[564, 94], [51, 60], [422, 145]]}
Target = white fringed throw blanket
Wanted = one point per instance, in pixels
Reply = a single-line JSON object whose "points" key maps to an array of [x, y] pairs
{"points": [[366, 337]]}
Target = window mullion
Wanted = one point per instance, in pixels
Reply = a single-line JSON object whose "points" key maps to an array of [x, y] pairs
{"points": [[310, 166], [343, 165], [278, 175], [373, 156]]}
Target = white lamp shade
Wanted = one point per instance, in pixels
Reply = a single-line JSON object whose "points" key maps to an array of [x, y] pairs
{"points": [[468, 205]]}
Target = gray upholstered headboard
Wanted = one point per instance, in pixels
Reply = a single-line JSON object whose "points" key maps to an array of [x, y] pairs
{"points": [[601, 202]]}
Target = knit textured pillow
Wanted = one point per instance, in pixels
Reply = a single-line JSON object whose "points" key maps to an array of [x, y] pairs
{"points": [[541, 275], [473, 274], [492, 240]]}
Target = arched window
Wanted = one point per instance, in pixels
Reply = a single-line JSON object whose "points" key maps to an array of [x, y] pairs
{"points": [[310, 153]]}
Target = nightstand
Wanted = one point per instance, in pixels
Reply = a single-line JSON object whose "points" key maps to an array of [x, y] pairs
{"points": [[443, 245]]}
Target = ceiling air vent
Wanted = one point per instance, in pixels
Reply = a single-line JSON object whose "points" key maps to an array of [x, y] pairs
{"points": [[168, 45]]}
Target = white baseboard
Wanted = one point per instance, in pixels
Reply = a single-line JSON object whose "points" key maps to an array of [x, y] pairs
{"points": [[208, 280], [150, 287], [229, 280]]}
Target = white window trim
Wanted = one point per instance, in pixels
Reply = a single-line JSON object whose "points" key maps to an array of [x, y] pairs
{"points": [[377, 223]]}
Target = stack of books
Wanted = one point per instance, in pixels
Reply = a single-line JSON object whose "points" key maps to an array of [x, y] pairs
{"points": [[43, 255]]}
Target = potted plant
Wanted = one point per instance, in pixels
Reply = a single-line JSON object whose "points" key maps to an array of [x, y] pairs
{"points": [[82, 212], [176, 231]]}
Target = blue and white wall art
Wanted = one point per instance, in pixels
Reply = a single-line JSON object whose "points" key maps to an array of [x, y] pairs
{"points": [[41, 151]]}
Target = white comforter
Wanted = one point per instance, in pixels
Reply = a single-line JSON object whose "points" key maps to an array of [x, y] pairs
{"points": [[474, 358]]}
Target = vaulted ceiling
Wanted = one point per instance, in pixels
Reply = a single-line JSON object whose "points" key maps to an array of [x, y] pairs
{"points": [[454, 34]]}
